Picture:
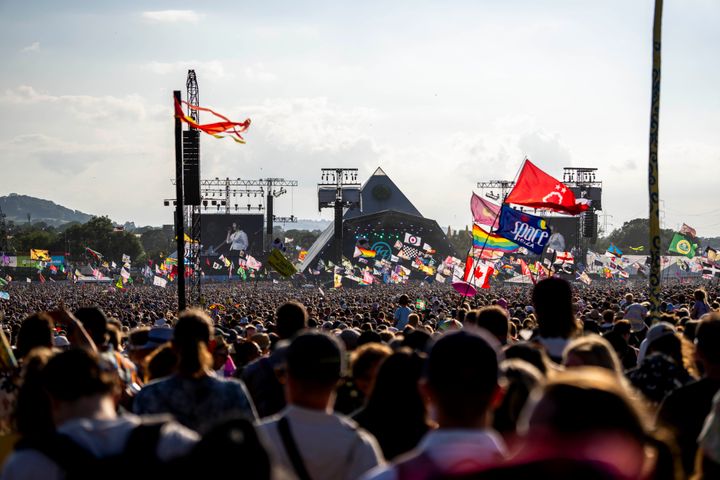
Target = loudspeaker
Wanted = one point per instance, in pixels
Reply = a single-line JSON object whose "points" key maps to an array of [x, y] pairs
{"points": [[191, 167], [589, 224]]}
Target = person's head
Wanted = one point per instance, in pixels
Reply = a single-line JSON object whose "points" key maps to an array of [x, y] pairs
{"points": [[397, 384], [520, 379], [191, 338], [587, 409], [75, 378], [552, 299], [414, 320], [495, 320], [35, 331], [700, 295], [33, 413], [96, 324], [707, 340], [291, 318], [365, 362], [461, 379], [404, 300], [160, 363], [531, 353], [314, 365], [592, 351]]}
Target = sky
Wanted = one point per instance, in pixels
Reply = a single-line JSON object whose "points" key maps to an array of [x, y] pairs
{"points": [[441, 95]]}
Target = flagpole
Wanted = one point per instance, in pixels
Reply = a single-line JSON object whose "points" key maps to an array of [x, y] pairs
{"points": [[179, 217], [653, 170]]}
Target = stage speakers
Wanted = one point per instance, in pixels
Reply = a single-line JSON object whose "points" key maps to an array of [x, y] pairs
{"points": [[588, 223], [191, 167]]}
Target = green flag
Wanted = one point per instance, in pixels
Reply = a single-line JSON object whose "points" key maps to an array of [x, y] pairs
{"points": [[682, 245]]}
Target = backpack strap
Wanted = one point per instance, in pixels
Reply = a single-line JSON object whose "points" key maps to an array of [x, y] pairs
{"points": [[292, 450]]}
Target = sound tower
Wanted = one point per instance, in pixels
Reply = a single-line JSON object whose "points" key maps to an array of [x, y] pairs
{"points": [[191, 167], [589, 224]]}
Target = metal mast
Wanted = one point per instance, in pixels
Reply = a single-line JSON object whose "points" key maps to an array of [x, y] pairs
{"points": [[193, 213]]}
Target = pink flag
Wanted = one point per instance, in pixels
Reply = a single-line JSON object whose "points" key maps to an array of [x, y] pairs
{"points": [[484, 212]]}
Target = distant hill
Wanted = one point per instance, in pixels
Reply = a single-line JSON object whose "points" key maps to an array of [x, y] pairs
{"points": [[17, 207]]}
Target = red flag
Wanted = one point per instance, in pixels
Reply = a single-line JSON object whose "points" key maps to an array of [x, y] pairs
{"points": [[42, 279], [536, 189], [688, 230], [478, 273], [484, 212]]}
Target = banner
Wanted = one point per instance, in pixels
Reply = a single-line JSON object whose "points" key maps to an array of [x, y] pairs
{"points": [[524, 229], [280, 264], [42, 255], [159, 282]]}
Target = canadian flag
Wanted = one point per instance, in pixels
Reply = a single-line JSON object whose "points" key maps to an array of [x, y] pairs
{"points": [[478, 273]]}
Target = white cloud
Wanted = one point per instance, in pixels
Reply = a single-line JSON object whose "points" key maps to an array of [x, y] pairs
{"points": [[172, 16], [212, 69], [85, 107], [33, 47]]}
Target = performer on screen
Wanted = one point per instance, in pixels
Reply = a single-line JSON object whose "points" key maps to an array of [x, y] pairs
{"points": [[236, 239]]}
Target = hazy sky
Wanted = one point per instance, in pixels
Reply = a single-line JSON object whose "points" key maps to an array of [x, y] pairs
{"points": [[440, 94]]}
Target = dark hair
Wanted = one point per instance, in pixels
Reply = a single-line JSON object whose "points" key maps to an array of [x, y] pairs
{"points": [[33, 416], [366, 358], [553, 302], [78, 373], [529, 352], [315, 358], [495, 320], [416, 340], [521, 378], [95, 322], [291, 318], [462, 371], [191, 338], [35, 331], [707, 338], [162, 362]]}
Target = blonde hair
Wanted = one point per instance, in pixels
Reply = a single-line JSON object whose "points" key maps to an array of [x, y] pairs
{"points": [[593, 351]]}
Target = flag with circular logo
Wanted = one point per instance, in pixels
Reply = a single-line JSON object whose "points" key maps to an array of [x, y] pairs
{"points": [[682, 245]]}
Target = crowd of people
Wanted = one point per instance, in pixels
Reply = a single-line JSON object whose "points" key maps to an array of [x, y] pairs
{"points": [[267, 380]]}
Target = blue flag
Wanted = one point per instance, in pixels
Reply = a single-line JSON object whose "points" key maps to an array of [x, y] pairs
{"points": [[524, 229]]}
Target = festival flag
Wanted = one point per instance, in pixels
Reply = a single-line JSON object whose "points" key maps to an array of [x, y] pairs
{"points": [[124, 273], [584, 278], [337, 281], [564, 257], [97, 255], [428, 249], [217, 129], [413, 240], [637, 249], [53, 269], [682, 245], [252, 263], [478, 273], [484, 212], [3, 282], [364, 252], [4, 295], [613, 251], [710, 271], [535, 188], [27, 279], [439, 278], [490, 241], [216, 266], [523, 229], [368, 278], [688, 230], [42, 255], [302, 255], [159, 282], [711, 254]]}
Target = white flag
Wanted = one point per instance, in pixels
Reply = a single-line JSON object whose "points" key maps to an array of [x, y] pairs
{"points": [[413, 240], [159, 282], [124, 273]]}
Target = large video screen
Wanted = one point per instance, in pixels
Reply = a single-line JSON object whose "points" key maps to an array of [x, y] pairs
{"points": [[231, 235]]}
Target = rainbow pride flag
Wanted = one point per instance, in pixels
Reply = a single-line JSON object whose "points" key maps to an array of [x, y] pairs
{"points": [[367, 253], [490, 241]]}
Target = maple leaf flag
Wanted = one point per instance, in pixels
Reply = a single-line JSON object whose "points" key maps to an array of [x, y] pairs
{"points": [[536, 189], [478, 273]]}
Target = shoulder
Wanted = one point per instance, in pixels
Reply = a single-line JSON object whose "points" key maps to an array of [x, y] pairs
{"points": [[30, 465], [385, 472]]}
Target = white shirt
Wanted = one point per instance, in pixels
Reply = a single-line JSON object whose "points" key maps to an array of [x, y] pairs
{"points": [[238, 240], [332, 446], [100, 437], [450, 449]]}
